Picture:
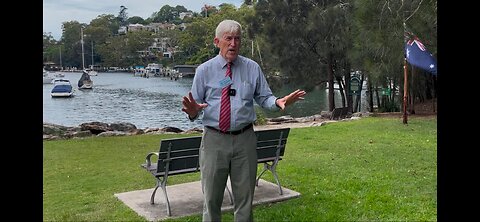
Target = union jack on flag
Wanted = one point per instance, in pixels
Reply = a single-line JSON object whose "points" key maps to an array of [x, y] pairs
{"points": [[418, 55]]}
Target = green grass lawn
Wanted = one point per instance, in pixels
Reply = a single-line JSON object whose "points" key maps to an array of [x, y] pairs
{"points": [[372, 169]]}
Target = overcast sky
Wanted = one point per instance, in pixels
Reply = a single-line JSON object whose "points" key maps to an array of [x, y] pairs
{"points": [[57, 11]]}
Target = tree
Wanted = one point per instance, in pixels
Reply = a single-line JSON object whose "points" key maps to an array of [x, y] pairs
{"points": [[122, 16], [381, 57], [136, 20], [71, 39], [308, 38], [50, 48]]}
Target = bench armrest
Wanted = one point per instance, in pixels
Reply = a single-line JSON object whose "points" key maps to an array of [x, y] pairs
{"points": [[147, 158]]}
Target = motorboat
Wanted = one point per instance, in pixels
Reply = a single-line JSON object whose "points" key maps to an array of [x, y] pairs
{"points": [[47, 77], [61, 88], [85, 82], [154, 69]]}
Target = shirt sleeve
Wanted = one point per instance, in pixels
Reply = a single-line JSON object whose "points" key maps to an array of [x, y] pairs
{"points": [[198, 88], [263, 94]]}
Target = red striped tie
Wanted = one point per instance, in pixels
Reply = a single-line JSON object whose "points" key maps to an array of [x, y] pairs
{"points": [[224, 122]]}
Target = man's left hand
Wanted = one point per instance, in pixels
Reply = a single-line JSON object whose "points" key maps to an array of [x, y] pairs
{"points": [[291, 98]]}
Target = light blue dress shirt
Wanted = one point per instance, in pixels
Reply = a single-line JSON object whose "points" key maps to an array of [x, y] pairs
{"points": [[248, 81]]}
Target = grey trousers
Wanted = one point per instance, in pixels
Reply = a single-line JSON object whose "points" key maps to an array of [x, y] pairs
{"points": [[221, 156]]}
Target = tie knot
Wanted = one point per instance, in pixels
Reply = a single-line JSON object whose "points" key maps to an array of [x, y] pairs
{"points": [[229, 64]]}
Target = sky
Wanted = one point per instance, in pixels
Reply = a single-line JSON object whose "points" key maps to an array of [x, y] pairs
{"points": [[57, 11]]}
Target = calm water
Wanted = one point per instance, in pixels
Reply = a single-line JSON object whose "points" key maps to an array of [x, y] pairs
{"points": [[144, 102]]}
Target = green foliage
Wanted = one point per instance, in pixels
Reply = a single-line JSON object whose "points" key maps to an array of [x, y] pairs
{"points": [[136, 20], [261, 119], [389, 105], [372, 169]]}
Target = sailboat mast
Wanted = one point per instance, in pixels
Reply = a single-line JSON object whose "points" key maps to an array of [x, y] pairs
{"points": [[92, 55], [61, 66], [83, 56]]}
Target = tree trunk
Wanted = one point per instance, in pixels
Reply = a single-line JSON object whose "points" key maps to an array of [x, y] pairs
{"points": [[370, 95], [331, 88], [358, 101], [349, 93], [379, 104], [341, 89]]}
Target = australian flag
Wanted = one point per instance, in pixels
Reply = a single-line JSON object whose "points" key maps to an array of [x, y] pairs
{"points": [[418, 56]]}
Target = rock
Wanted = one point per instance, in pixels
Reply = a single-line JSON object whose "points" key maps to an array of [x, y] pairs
{"points": [[194, 130], [122, 126], [95, 127], [112, 133], [281, 119], [170, 129]]}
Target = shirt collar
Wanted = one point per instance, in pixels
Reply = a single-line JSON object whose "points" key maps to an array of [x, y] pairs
{"points": [[223, 62]]}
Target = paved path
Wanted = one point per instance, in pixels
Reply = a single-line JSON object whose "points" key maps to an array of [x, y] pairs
{"points": [[187, 199]]}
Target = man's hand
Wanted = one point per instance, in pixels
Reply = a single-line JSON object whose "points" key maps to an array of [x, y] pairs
{"points": [[191, 107], [290, 98]]}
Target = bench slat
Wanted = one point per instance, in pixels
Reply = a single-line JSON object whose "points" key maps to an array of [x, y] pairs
{"points": [[271, 134]]}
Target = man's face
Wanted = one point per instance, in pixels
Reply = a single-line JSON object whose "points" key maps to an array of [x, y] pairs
{"points": [[229, 45]]}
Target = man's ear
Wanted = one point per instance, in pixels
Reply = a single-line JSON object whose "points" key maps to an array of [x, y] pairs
{"points": [[216, 41]]}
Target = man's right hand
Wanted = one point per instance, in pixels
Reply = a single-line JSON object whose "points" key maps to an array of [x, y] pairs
{"points": [[191, 107]]}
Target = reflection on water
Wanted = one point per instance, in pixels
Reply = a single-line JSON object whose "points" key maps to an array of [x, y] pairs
{"points": [[144, 102]]}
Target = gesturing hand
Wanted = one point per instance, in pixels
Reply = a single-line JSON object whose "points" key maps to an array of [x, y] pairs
{"points": [[191, 107], [291, 98]]}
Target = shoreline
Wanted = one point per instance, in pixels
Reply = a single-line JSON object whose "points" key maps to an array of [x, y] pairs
{"points": [[55, 131]]}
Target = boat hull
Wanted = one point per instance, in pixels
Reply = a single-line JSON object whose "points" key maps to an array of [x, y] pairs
{"points": [[61, 94]]}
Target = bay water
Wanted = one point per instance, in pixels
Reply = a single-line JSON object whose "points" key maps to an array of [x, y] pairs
{"points": [[145, 102]]}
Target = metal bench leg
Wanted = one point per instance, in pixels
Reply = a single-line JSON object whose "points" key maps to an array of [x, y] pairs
{"points": [[274, 172], [162, 184], [152, 198], [164, 188], [271, 168], [265, 168]]}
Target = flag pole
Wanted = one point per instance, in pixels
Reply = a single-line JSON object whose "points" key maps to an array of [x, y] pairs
{"points": [[405, 83]]}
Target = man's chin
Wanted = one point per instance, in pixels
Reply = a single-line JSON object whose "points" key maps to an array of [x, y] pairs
{"points": [[230, 56]]}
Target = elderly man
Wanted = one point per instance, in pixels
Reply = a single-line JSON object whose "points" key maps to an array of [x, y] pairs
{"points": [[223, 90]]}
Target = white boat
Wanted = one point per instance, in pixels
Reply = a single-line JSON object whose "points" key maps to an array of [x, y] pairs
{"points": [[154, 69], [47, 77], [61, 88]]}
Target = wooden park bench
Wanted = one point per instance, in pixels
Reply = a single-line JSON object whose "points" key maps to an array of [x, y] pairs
{"points": [[181, 155]]}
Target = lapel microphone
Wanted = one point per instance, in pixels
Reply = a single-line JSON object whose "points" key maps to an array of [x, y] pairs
{"points": [[232, 92]]}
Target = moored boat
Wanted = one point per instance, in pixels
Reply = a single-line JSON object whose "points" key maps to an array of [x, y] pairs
{"points": [[61, 88]]}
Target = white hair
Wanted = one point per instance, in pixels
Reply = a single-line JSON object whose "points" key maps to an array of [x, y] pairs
{"points": [[228, 26]]}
